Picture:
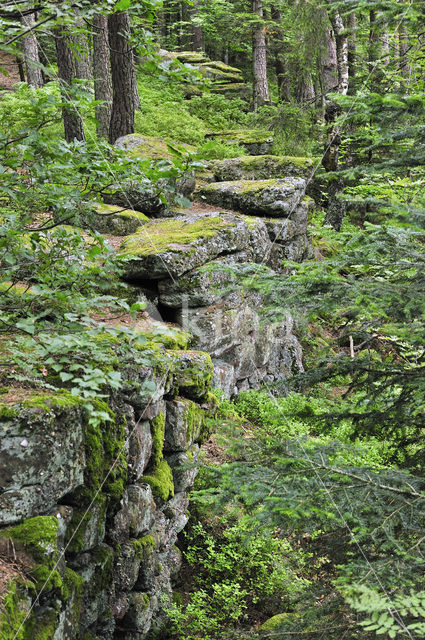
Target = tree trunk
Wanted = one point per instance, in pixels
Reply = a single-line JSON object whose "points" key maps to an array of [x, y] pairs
{"points": [[403, 51], [261, 87], [278, 42], [336, 207], [198, 34], [341, 40], [102, 75], [82, 54], [330, 64], [352, 51], [30, 50], [122, 67], [66, 70]]}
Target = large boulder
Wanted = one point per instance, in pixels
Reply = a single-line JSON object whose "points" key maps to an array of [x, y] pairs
{"points": [[278, 197], [255, 141], [41, 451], [263, 167], [170, 248]]}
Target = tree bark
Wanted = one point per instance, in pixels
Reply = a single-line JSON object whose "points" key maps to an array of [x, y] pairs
{"points": [[330, 64], [352, 51], [341, 40], [198, 34], [403, 51], [30, 50], [82, 53], [122, 67], [102, 75], [261, 87], [66, 70], [278, 41]]}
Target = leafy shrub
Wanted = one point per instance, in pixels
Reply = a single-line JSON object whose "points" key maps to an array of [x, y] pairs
{"points": [[217, 150], [219, 112]]}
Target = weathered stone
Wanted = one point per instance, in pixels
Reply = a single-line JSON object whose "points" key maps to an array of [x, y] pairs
{"points": [[263, 167], [159, 149], [126, 568], [185, 468], [184, 424], [271, 198], [175, 510], [192, 373], [138, 195], [41, 454], [139, 615], [149, 566], [224, 378], [297, 249], [235, 333], [174, 561], [87, 527], [170, 248], [220, 73], [115, 220], [233, 90], [199, 288], [96, 569], [256, 142], [140, 449], [141, 507]]}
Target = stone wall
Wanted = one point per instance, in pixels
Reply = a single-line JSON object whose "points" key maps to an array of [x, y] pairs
{"points": [[90, 512]]}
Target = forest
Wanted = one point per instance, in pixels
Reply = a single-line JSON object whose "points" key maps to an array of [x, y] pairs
{"points": [[240, 179]]}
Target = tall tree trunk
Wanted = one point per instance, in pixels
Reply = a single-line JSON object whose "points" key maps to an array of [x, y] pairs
{"points": [[385, 45], [403, 51], [198, 34], [66, 70], [374, 44], [330, 64], [102, 75], [31, 57], [122, 68], [261, 87], [352, 51], [341, 40], [278, 41], [82, 53]]}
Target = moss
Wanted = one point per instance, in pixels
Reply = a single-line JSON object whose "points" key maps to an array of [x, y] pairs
{"points": [[275, 622], [258, 162], [41, 627], [160, 480], [221, 66], [49, 402], [169, 337], [194, 378], [156, 148], [127, 213], [39, 537], [158, 431], [15, 607], [143, 546], [81, 521], [170, 235], [8, 413]]}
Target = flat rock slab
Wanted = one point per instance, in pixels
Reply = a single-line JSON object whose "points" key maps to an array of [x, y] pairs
{"points": [[255, 141], [263, 167], [169, 248], [277, 197]]}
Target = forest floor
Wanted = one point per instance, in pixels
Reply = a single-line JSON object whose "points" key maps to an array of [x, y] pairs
{"points": [[9, 71]]}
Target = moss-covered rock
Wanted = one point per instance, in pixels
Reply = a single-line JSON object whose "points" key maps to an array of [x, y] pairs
{"points": [[224, 74], [232, 90], [255, 141], [278, 197], [263, 167], [115, 220], [160, 480], [188, 57], [192, 373], [184, 426], [41, 451], [169, 248], [273, 624]]}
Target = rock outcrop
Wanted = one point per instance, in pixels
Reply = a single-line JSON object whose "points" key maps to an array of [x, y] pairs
{"points": [[93, 510]]}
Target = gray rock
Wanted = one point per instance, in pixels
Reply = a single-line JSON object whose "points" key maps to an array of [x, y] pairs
{"points": [[263, 167], [183, 425], [126, 568], [141, 508], [96, 569], [170, 248], [138, 195], [139, 615], [184, 467], [271, 198], [255, 142], [140, 449], [41, 456]]}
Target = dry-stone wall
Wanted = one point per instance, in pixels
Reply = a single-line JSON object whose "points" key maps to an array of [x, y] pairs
{"points": [[90, 513]]}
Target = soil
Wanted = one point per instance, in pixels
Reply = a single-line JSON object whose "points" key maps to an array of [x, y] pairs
{"points": [[9, 72]]}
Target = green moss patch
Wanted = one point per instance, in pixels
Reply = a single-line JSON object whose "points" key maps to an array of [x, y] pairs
{"points": [[243, 136], [161, 481], [170, 235], [158, 430]]}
